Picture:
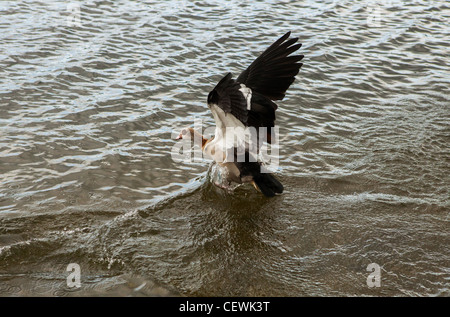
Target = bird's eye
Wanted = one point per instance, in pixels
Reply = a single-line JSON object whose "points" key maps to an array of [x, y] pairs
{"points": [[184, 131]]}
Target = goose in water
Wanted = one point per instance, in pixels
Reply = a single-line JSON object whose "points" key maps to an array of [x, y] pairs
{"points": [[247, 104]]}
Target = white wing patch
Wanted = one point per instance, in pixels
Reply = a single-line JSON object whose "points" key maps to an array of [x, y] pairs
{"points": [[247, 92], [230, 133]]}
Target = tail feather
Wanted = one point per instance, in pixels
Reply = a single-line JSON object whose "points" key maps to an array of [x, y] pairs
{"points": [[267, 184], [250, 171]]}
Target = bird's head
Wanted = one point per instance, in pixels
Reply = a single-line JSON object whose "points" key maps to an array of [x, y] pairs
{"points": [[186, 133], [190, 134]]}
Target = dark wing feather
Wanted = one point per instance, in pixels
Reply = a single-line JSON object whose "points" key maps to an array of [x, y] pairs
{"points": [[227, 96], [274, 70], [269, 76], [230, 99]]}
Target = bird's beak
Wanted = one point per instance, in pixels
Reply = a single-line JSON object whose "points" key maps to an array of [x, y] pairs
{"points": [[179, 137]]}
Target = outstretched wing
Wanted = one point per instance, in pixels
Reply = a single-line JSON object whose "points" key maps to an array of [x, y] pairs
{"points": [[247, 101], [234, 105], [274, 70], [229, 98]]}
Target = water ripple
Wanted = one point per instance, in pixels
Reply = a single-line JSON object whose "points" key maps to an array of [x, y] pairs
{"points": [[86, 119]]}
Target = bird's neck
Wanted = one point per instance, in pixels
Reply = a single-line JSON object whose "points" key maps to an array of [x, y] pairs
{"points": [[197, 137]]}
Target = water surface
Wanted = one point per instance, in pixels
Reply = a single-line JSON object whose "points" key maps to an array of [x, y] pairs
{"points": [[87, 111]]}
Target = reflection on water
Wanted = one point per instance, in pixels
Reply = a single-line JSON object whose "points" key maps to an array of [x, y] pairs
{"points": [[87, 110]]}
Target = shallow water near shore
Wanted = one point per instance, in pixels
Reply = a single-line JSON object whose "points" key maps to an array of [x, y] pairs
{"points": [[89, 104]]}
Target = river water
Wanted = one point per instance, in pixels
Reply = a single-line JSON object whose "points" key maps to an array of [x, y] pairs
{"points": [[91, 94]]}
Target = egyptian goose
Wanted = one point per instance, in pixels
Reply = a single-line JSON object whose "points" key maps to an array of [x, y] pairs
{"points": [[245, 102]]}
